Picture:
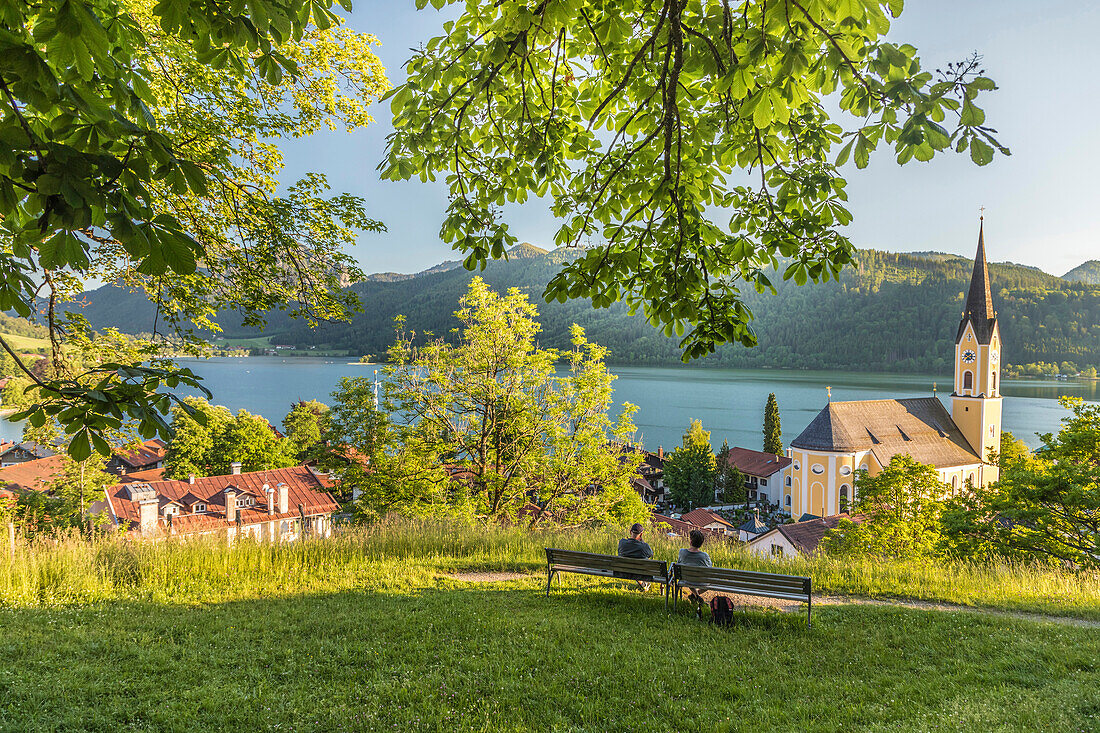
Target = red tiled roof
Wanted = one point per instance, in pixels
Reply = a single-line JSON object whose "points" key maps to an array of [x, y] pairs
{"points": [[702, 517], [806, 536], [757, 463], [143, 477], [35, 475], [684, 528], [147, 454], [303, 487]]}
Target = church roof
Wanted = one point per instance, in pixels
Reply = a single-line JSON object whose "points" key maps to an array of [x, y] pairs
{"points": [[979, 301], [918, 426]]}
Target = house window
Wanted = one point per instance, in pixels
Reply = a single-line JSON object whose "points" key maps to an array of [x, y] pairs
{"points": [[777, 550], [764, 497], [200, 507], [764, 481]]}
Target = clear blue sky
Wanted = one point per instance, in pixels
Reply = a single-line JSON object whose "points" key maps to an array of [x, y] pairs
{"points": [[1042, 204]]}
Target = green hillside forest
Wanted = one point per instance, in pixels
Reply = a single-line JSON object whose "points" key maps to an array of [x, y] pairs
{"points": [[891, 312], [1086, 272]]}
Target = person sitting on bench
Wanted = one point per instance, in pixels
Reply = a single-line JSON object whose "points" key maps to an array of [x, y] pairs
{"points": [[694, 555], [634, 547]]}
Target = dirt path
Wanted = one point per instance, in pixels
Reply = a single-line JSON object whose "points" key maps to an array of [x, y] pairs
{"points": [[748, 601]]}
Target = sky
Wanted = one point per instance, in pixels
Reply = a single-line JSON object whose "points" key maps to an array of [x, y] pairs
{"points": [[1042, 204]]}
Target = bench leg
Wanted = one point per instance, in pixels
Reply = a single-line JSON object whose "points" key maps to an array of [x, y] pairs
{"points": [[809, 609], [549, 578]]}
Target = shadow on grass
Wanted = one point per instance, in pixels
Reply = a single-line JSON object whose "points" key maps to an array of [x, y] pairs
{"points": [[505, 657]]}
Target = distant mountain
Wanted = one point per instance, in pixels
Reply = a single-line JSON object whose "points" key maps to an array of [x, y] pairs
{"points": [[1086, 272], [891, 312]]}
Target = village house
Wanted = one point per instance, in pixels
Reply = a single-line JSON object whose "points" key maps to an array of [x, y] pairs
{"points": [[705, 519], [798, 538], [13, 453], [145, 457], [277, 505], [846, 437], [680, 528], [764, 473]]}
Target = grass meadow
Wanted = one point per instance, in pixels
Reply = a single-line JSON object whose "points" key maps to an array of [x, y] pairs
{"points": [[368, 631]]}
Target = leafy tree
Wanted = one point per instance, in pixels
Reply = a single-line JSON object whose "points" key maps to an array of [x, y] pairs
{"points": [[1046, 506], [482, 426], [729, 481], [78, 484], [304, 425], [138, 139], [642, 121], [195, 426], [695, 435], [901, 505], [773, 442], [690, 471], [251, 441]]}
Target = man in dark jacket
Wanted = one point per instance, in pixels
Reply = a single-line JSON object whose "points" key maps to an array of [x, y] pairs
{"points": [[633, 546]]}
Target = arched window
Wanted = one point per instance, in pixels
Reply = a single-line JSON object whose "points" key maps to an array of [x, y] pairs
{"points": [[954, 484], [994, 381], [843, 498], [788, 481], [968, 380], [788, 501]]}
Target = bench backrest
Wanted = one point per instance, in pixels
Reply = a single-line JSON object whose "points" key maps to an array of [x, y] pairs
{"points": [[569, 559], [747, 581]]}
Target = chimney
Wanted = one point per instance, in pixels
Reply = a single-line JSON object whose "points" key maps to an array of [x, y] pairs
{"points": [[235, 468], [269, 494], [660, 453], [284, 498], [191, 479], [147, 515], [231, 504]]}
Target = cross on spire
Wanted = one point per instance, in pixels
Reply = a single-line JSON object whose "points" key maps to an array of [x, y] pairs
{"points": [[981, 216]]}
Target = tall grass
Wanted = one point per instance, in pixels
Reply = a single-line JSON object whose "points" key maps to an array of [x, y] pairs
{"points": [[397, 555]]}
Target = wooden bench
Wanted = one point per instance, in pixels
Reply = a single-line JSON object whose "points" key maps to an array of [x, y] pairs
{"points": [[605, 566], [746, 582]]}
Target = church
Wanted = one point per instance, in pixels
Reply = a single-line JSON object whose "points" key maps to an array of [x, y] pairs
{"points": [[866, 434]]}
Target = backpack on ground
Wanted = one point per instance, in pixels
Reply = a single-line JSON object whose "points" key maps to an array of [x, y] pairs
{"points": [[721, 610]]}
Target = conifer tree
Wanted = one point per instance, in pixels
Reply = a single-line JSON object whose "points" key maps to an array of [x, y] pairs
{"points": [[773, 442]]}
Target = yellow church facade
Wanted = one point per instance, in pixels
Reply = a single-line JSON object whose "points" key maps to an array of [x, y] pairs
{"points": [[848, 436]]}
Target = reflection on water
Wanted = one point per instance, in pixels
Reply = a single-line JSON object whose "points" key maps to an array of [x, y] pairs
{"points": [[730, 402]]}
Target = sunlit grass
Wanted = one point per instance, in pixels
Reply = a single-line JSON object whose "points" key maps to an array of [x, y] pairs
{"points": [[67, 570]]}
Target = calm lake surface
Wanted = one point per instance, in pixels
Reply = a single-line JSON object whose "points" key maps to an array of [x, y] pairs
{"points": [[730, 402]]}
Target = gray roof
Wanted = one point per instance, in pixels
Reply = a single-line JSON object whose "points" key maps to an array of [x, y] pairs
{"points": [[753, 525], [918, 426], [979, 300]]}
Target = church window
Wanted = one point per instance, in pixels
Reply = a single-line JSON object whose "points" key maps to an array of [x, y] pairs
{"points": [[844, 498], [845, 470], [994, 380], [863, 467], [954, 484], [788, 501], [788, 481], [968, 380], [796, 466], [817, 468]]}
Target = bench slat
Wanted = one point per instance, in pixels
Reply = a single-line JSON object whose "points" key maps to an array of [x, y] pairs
{"points": [[746, 574], [696, 581]]}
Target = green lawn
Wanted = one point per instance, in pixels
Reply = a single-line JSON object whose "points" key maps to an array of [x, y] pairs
{"points": [[407, 654], [26, 343], [366, 631]]}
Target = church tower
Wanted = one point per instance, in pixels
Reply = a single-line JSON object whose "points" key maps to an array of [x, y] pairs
{"points": [[976, 400]]}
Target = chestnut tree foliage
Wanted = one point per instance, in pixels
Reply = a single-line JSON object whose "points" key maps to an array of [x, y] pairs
{"points": [[138, 143], [687, 145]]}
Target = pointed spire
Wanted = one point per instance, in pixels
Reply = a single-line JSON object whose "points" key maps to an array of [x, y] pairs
{"points": [[979, 301]]}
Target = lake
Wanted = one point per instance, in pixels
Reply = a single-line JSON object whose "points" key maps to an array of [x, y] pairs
{"points": [[730, 402]]}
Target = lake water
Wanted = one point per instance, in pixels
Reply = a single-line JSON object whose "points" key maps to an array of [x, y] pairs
{"points": [[730, 402]]}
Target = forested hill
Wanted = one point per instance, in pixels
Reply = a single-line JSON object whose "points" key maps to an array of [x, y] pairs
{"points": [[1087, 272], [893, 312]]}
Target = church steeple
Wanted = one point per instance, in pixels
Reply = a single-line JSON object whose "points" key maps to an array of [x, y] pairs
{"points": [[976, 399], [979, 301]]}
